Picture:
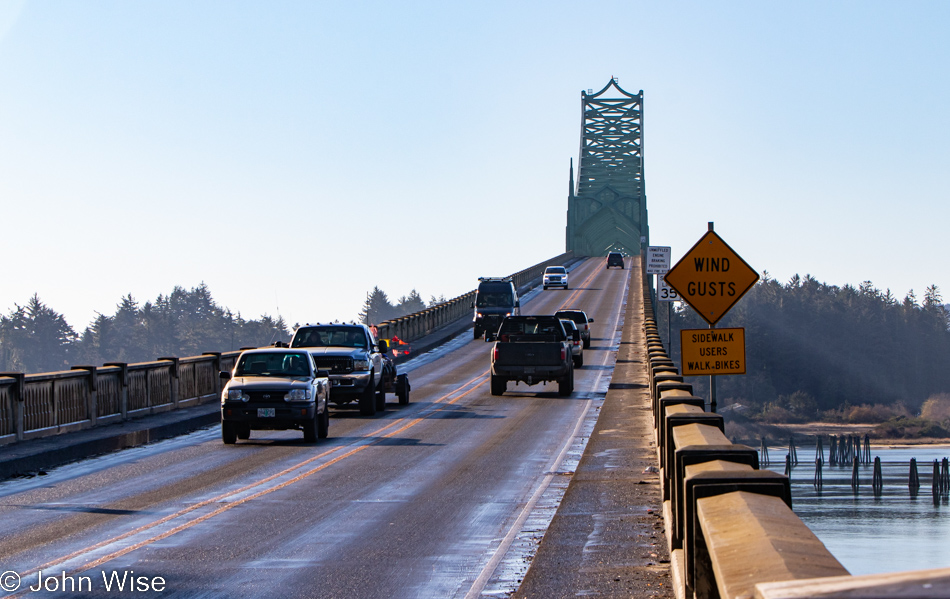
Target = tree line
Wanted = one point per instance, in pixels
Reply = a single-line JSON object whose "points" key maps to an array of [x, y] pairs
{"points": [[813, 347], [378, 308], [36, 338]]}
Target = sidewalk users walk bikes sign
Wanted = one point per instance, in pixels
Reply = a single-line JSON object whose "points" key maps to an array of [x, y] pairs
{"points": [[711, 277], [713, 351]]}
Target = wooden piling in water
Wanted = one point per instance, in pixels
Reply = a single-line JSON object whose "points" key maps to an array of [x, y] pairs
{"points": [[877, 482], [819, 451], [855, 479], [764, 453], [818, 477], [913, 479], [935, 483]]}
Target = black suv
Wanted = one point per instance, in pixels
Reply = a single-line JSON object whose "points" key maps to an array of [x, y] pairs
{"points": [[494, 300], [614, 259]]}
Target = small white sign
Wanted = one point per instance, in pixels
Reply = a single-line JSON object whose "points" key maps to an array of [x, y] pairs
{"points": [[658, 260], [664, 292]]}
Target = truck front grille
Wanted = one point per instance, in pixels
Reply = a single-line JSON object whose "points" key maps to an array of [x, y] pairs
{"points": [[333, 364]]}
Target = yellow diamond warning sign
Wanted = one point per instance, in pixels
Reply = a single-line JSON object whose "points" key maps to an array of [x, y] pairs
{"points": [[712, 351], [711, 277]]}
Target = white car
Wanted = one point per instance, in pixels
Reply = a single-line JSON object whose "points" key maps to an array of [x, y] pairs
{"points": [[577, 351], [555, 276]]}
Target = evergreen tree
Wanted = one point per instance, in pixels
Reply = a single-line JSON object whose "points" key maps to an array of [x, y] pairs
{"points": [[35, 338], [410, 304], [377, 308]]}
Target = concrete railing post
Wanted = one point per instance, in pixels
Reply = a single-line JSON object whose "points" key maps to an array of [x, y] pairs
{"points": [[92, 382], [173, 388], [19, 402], [217, 369]]}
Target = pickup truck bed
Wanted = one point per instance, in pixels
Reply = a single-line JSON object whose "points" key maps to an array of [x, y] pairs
{"points": [[532, 350]]}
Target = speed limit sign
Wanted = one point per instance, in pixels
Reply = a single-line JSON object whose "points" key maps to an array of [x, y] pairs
{"points": [[664, 292]]}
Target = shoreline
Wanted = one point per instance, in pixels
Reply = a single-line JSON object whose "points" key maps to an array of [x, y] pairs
{"points": [[827, 429]]}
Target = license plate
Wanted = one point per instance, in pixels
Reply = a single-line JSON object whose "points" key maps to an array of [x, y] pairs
{"points": [[529, 369], [266, 412]]}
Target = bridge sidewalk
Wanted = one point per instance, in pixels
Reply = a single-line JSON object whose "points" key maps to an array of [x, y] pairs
{"points": [[607, 538]]}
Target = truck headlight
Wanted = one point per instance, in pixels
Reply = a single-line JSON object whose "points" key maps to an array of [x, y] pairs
{"points": [[298, 395], [237, 395], [360, 364]]}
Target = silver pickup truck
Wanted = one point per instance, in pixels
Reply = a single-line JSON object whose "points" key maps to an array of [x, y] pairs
{"points": [[353, 357], [274, 389]]}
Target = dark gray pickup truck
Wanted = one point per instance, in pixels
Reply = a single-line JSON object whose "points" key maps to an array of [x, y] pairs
{"points": [[532, 349]]}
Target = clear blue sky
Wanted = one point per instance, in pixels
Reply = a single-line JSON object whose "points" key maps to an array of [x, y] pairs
{"points": [[292, 155]]}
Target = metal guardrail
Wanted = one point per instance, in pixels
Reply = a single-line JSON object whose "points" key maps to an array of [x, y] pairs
{"points": [[50, 403]]}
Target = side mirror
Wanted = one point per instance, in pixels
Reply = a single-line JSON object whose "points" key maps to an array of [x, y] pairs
{"points": [[590, 320], [383, 345], [224, 375], [323, 374]]}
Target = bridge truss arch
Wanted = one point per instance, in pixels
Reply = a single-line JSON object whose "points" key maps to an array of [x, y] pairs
{"points": [[607, 209]]}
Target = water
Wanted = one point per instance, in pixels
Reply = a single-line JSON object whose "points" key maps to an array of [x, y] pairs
{"points": [[868, 534]]}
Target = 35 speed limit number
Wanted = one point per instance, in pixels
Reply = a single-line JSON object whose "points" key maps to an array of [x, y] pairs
{"points": [[664, 292]]}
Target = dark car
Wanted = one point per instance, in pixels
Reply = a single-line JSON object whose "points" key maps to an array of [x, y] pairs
{"points": [[614, 259], [580, 320], [274, 389]]}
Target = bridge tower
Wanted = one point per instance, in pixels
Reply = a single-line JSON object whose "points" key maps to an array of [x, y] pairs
{"points": [[607, 210]]}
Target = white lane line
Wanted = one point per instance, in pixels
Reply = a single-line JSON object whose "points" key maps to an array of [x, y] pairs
{"points": [[597, 393]]}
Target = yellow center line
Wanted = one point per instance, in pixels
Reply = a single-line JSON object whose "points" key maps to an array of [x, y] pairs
{"points": [[377, 439], [577, 291]]}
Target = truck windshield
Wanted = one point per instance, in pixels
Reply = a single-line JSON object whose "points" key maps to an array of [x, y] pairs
{"points": [[272, 364], [330, 336], [494, 295]]}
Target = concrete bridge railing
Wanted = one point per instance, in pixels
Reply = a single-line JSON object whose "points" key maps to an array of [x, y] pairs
{"points": [[730, 527], [417, 325], [50, 403]]}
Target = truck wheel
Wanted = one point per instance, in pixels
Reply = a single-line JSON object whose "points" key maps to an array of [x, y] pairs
{"points": [[244, 432], [368, 398], [498, 385], [228, 433], [587, 343], [402, 389], [545, 287], [323, 424], [381, 399], [477, 333], [579, 361], [310, 429], [565, 386]]}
